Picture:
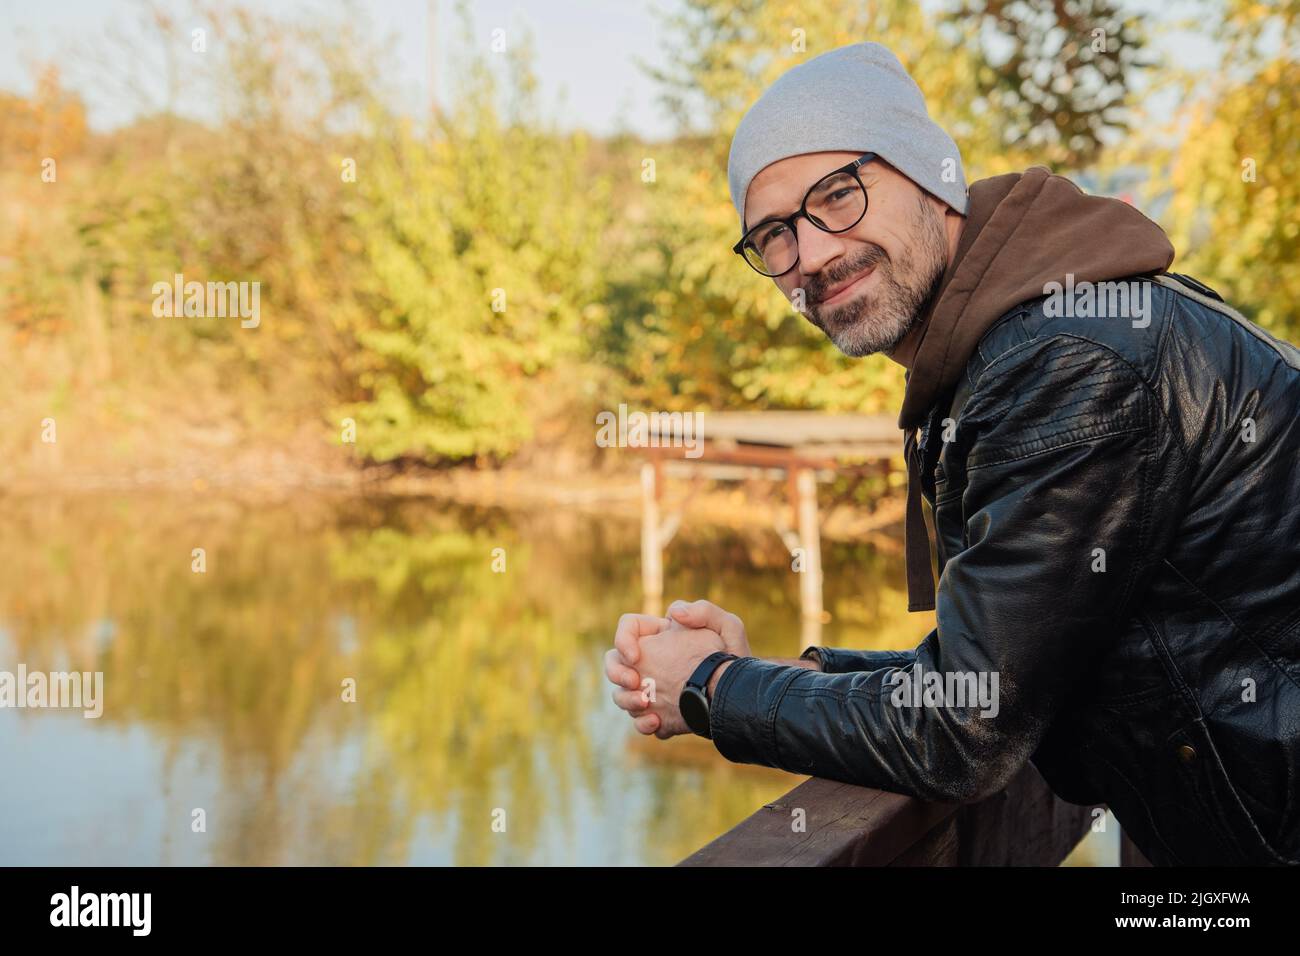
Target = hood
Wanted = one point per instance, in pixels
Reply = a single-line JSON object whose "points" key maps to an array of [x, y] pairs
{"points": [[1022, 231]]}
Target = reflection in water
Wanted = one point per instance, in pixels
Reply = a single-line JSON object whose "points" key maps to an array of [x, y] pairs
{"points": [[476, 691]]}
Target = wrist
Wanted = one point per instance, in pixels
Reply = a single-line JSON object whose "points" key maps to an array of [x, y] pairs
{"points": [[713, 679]]}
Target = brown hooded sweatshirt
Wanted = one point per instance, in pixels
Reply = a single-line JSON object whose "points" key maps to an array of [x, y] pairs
{"points": [[1022, 231]]}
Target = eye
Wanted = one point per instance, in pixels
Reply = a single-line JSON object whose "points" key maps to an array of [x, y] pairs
{"points": [[765, 236]]}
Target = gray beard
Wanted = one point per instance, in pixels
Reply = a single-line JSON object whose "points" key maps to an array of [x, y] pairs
{"points": [[877, 322]]}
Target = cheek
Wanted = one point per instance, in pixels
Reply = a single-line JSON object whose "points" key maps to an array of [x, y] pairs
{"points": [[881, 226]]}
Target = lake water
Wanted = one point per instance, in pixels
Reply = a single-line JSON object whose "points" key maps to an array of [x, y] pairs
{"points": [[479, 695]]}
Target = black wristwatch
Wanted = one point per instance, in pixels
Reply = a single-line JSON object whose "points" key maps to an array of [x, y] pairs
{"points": [[694, 702]]}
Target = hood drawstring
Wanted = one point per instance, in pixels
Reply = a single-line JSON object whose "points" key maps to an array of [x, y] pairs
{"points": [[916, 539]]}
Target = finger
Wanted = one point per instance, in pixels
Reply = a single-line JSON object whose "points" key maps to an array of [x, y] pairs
{"points": [[647, 724], [706, 614], [633, 627], [697, 614], [681, 633], [618, 672], [633, 701]]}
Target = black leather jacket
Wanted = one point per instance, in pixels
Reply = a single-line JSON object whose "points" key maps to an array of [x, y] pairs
{"points": [[1117, 512]]}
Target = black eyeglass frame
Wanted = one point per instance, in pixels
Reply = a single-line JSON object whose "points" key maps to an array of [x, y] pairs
{"points": [[851, 168]]}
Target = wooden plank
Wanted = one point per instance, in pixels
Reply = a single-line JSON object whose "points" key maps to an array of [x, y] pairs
{"points": [[845, 826], [788, 429], [842, 459], [758, 456], [814, 432], [939, 847], [1023, 825]]}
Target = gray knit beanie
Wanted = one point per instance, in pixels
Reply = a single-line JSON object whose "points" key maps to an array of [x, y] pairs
{"points": [[857, 98]]}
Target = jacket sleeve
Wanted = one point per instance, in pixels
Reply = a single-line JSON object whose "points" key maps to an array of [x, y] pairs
{"points": [[1059, 444], [840, 660]]}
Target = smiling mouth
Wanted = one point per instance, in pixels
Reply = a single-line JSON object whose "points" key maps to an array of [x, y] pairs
{"points": [[847, 288]]}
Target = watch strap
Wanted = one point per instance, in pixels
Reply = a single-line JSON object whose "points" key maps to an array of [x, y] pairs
{"points": [[699, 678], [694, 700]]}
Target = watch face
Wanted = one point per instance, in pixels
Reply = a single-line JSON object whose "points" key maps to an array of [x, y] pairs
{"points": [[695, 710]]}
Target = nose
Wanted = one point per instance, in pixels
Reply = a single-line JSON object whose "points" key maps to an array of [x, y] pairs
{"points": [[817, 248]]}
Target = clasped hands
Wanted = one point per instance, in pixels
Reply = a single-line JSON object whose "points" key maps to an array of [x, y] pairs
{"points": [[653, 657]]}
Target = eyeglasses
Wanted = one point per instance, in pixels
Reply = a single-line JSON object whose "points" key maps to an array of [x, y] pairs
{"points": [[836, 203]]}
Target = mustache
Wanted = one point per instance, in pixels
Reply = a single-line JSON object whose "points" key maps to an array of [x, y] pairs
{"points": [[820, 284]]}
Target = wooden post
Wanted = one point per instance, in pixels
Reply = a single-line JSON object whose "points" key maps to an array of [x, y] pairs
{"points": [[652, 567], [810, 581], [810, 633]]}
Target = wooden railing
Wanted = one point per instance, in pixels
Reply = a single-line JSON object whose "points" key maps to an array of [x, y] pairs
{"points": [[843, 825]]}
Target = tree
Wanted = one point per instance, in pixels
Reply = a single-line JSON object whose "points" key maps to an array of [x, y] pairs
{"points": [[1234, 175], [1060, 74], [480, 248]]}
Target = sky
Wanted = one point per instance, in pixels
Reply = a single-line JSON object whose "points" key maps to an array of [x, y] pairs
{"points": [[587, 50], [599, 80]]}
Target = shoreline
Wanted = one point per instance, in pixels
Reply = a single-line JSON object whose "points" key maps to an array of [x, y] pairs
{"points": [[615, 494]]}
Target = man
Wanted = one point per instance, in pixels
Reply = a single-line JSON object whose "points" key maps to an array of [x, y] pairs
{"points": [[1111, 459]]}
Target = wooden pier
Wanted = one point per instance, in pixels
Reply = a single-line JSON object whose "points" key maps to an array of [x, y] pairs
{"points": [[799, 448]]}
